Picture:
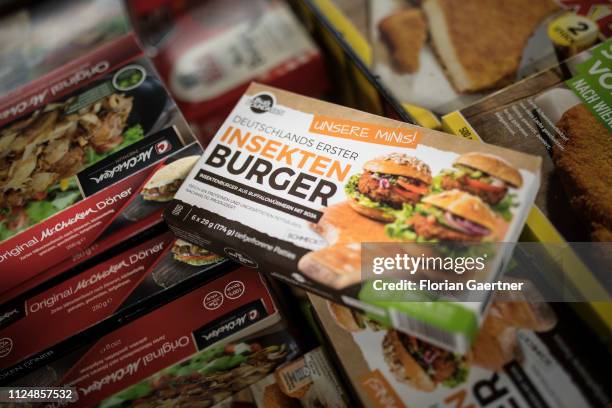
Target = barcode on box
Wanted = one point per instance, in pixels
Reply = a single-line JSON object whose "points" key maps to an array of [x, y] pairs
{"points": [[423, 330]]}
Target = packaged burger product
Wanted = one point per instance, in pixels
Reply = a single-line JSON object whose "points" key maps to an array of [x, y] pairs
{"points": [[103, 288], [294, 186], [197, 350], [308, 382], [209, 52], [526, 355], [75, 149], [563, 116], [443, 55], [35, 40]]}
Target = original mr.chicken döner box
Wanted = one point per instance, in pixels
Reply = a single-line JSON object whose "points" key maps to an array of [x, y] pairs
{"points": [[197, 350], [294, 186], [74, 146]]}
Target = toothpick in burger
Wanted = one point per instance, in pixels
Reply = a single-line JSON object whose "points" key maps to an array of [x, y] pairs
{"points": [[166, 181], [386, 184]]}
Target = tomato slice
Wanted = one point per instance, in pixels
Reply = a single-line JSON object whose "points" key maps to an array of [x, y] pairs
{"points": [[483, 186], [411, 187]]}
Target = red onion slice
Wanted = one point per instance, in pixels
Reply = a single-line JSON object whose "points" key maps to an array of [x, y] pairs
{"points": [[383, 183], [464, 225]]}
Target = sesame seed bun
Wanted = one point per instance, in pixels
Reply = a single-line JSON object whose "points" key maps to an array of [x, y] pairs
{"points": [[493, 165], [465, 205], [400, 164]]}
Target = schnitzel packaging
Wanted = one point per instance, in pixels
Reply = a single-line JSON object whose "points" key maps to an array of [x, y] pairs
{"points": [[198, 349], [35, 40], [294, 186], [564, 116], [308, 382], [444, 55], [544, 358], [74, 149], [208, 53], [100, 291]]}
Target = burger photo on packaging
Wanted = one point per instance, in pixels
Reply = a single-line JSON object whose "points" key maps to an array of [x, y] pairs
{"points": [[387, 184], [193, 255], [448, 216], [486, 176], [422, 365], [410, 360]]}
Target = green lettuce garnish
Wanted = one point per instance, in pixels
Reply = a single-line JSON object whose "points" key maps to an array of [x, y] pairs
{"points": [[130, 136], [352, 191], [504, 207]]}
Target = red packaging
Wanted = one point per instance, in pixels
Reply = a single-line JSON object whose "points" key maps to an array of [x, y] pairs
{"points": [[99, 289], [228, 334], [76, 146], [210, 52]]}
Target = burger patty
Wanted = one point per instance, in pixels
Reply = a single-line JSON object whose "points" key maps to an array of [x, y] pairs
{"points": [[429, 228], [492, 196], [393, 195], [439, 364]]}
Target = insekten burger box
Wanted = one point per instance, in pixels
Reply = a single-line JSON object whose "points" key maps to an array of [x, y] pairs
{"points": [[74, 147], [100, 291], [293, 186], [526, 355], [229, 334]]}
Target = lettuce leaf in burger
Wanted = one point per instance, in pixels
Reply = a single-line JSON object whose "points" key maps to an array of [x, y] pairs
{"points": [[486, 176], [387, 184], [453, 215]]}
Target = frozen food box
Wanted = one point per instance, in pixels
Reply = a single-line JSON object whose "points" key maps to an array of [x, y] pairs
{"points": [[562, 115], [443, 55], [294, 186], [35, 40], [197, 350], [73, 149], [141, 214], [208, 53], [102, 288], [526, 355], [308, 382]]}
